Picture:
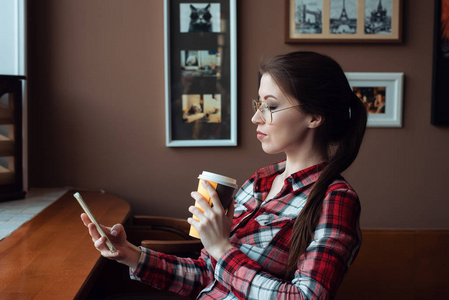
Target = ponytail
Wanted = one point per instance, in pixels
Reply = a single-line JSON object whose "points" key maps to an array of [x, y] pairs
{"points": [[345, 154]]}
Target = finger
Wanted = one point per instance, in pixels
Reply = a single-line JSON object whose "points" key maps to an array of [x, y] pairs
{"points": [[99, 243], [85, 219], [213, 195], [93, 231], [204, 205], [196, 224], [101, 246], [116, 229], [87, 222], [193, 222], [197, 212]]}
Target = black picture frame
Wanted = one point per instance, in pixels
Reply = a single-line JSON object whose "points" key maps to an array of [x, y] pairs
{"points": [[440, 87], [200, 73], [11, 160]]}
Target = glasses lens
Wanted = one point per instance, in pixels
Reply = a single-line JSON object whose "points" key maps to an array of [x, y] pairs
{"points": [[264, 110], [267, 115], [255, 106]]}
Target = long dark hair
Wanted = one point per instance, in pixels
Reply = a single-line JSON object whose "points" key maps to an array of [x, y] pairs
{"points": [[320, 85]]}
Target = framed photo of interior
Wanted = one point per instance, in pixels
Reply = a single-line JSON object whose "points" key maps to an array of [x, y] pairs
{"points": [[381, 93], [200, 73], [343, 21], [440, 89]]}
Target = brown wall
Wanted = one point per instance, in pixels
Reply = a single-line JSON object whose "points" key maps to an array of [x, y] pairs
{"points": [[97, 119]]}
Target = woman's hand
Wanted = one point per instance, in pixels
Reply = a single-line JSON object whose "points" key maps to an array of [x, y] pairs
{"points": [[215, 224], [125, 253]]}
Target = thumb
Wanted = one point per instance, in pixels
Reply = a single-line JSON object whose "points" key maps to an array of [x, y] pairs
{"points": [[118, 231]]}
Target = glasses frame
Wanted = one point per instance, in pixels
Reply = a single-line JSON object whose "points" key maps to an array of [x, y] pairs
{"points": [[258, 103]]}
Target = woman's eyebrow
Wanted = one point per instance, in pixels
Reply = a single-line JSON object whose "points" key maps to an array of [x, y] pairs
{"points": [[268, 96]]}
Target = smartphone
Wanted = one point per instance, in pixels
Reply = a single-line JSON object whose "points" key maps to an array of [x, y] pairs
{"points": [[92, 218]]}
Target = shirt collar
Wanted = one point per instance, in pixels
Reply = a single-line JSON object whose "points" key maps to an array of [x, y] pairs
{"points": [[299, 179]]}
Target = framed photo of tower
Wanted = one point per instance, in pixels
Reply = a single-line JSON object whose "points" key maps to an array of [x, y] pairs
{"points": [[339, 21], [200, 73]]}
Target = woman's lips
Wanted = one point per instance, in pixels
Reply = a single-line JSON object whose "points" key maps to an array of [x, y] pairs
{"points": [[260, 135]]}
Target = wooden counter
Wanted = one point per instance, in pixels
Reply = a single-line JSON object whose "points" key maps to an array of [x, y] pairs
{"points": [[52, 255]]}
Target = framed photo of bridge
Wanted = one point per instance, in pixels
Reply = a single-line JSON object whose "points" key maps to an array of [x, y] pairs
{"points": [[200, 73], [351, 21]]}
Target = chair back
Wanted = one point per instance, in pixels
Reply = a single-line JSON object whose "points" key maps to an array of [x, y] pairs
{"points": [[166, 234]]}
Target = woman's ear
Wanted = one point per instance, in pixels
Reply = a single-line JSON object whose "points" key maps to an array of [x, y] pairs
{"points": [[316, 121]]}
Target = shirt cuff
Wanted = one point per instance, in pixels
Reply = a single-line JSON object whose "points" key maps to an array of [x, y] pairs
{"points": [[147, 261]]}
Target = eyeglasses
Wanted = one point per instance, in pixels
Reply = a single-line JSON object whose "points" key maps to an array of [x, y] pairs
{"points": [[266, 112]]}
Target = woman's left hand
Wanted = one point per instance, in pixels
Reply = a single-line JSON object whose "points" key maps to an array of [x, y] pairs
{"points": [[215, 223]]}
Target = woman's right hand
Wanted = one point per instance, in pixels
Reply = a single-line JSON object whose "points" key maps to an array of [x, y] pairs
{"points": [[125, 253]]}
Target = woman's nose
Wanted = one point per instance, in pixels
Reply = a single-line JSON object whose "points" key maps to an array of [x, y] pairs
{"points": [[257, 119]]}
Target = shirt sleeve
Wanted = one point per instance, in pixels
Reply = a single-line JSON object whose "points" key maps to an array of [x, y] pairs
{"points": [[320, 269], [183, 276]]}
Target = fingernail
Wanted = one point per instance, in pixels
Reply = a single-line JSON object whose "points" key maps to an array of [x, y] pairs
{"points": [[114, 232]]}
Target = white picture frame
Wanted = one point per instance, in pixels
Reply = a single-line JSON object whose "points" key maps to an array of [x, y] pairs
{"points": [[12, 37], [200, 74], [382, 95]]}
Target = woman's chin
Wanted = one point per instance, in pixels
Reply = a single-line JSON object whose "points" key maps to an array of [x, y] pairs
{"points": [[269, 150]]}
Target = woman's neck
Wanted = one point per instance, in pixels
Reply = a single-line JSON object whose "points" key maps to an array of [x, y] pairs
{"points": [[296, 163]]}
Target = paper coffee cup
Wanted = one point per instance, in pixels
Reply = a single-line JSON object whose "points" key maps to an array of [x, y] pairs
{"points": [[223, 185]]}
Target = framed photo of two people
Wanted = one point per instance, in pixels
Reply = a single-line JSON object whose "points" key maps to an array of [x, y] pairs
{"points": [[200, 73]]}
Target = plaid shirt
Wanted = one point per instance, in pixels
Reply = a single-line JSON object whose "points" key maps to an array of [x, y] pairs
{"points": [[254, 268]]}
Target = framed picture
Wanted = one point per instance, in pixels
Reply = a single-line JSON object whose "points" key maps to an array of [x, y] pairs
{"points": [[440, 89], [343, 21], [200, 73], [382, 95]]}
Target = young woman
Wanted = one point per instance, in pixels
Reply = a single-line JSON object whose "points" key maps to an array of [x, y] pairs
{"points": [[293, 229]]}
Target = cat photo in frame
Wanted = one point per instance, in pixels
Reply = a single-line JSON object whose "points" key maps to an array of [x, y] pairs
{"points": [[199, 17]]}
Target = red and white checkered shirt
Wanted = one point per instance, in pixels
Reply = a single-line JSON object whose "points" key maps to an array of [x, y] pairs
{"points": [[254, 268]]}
